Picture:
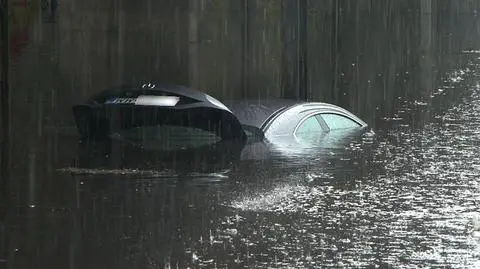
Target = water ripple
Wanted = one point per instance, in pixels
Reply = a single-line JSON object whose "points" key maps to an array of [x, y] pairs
{"points": [[418, 206]]}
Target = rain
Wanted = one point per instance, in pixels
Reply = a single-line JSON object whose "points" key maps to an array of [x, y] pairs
{"points": [[160, 190]]}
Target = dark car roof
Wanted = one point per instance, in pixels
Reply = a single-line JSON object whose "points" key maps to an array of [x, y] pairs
{"points": [[256, 112], [154, 89], [192, 108]]}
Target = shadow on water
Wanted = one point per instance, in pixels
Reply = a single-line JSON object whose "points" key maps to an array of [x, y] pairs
{"points": [[406, 199]]}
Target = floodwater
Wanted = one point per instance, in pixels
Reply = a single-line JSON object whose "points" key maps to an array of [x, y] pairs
{"points": [[406, 198]]}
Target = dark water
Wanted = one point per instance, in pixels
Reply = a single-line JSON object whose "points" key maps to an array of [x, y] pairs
{"points": [[409, 198]]}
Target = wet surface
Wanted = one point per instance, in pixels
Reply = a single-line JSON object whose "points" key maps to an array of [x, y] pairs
{"points": [[405, 197]]}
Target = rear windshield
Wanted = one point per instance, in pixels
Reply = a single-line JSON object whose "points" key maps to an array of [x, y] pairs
{"points": [[168, 137]]}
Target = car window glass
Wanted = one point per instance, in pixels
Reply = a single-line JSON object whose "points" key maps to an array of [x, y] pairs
{"points": [[168, 137], [336, 121], [308, 128]]}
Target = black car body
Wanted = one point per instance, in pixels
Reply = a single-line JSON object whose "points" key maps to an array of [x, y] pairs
{"points": [[133, 116], [146, 105]]}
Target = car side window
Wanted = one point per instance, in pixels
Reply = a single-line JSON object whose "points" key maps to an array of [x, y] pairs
{"points": [[336, 121], [309, 127]]}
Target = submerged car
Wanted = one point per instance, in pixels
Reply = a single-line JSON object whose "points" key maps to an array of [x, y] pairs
{"points": [[179, 119]]}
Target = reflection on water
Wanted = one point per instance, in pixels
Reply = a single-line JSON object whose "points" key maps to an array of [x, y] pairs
{"points": [[420, 209], [411, 200], [408, 197]]}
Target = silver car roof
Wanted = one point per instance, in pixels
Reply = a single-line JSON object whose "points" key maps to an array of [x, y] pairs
{"points": [[256, 112]]}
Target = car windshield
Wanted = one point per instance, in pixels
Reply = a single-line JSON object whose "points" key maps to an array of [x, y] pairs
{"points": [[168, 137]]}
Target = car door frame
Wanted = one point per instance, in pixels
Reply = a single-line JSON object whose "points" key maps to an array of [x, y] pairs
{"points": [[323, 124], [360, 125]]}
